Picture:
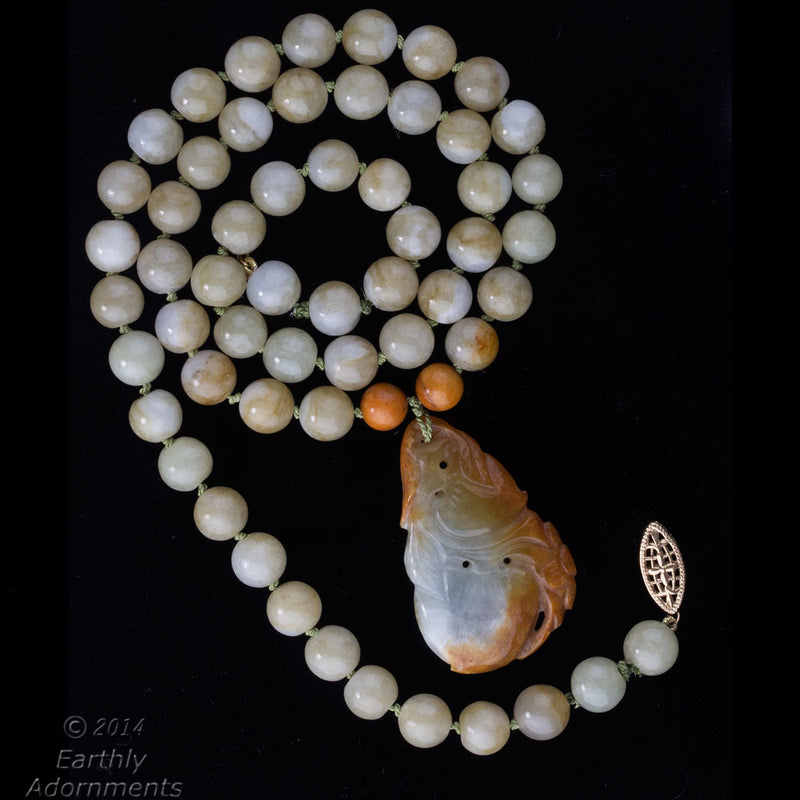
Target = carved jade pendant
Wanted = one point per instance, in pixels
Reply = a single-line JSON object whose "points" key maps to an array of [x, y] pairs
{"points": [[491, 580]]}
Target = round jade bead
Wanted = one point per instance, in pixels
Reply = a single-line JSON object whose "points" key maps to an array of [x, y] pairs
{"points": [[258, 560], [542, 712], [294, 608], [185, 464], [651, 647], [220, 513], [485, 728], [332, 653], [370, 692], [425, 720], [597, 684]]}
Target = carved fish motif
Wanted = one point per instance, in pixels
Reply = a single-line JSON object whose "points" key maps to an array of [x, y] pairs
{"points": [[491, 580]]}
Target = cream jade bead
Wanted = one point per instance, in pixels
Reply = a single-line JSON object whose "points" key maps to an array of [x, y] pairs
{"points": [[182, 326], [474, 244], [184, 464], [370, 692], [155, 416], [136, 358], [173, 207], [277, 188], [238, 226], [220, 513], [445, 296], [294, 608], [203, 162], [273, 288], [309, 40], [123, 187], [413, 232], [326, 413], [333, 165], [529, 236], [542, 712], [258, 560], [429, 52], [266, 405], [384, 185], [252, 64], [537, 178], [299, 95], [425, 720], [116, 300], [290, 355], [241, 331], [481, 83], [651, 647], [334, 308], [208, 377], [463, 136], [112, 245], [471, 344], [245, 124], [414, 107], [518, 127], [391, 283], [351, 362], [155, 136], [485, 728], [332, 653], [597, 684], [369, 36], [504, 294], [198, 94], [218, 280], [484, 187], [164, 266], [361, 92], [407, 341]]}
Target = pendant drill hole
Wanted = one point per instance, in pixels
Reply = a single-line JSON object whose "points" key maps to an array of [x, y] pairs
{"points": [[465, 564], [506, 560], [442, 465]]}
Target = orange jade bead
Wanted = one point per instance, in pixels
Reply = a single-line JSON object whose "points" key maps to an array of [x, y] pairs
{"points": [[383, 406], [439, 387]]}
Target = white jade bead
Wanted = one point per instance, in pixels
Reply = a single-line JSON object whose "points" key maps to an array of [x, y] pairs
{"points": [[136, 358], [241, 331], [485, 728], [429, 52], [334, 308], [203, 162], [277, 188], [504, 294], [332, 653], [425, 720], [299, 95], [155, 136], [384, 185], [597, 684], [529, 236], [369, 36], [361, 92], [112, 245], [481, 83], [484, 187], [537, 178], [266, 405], [273, 288], [164, 266], [414, 107], [326, 413], [290, 355], [309, 40], [220, 513], [518, 127], [413, 233], [182, 326], [245, 124], [116, 300], [155, 416], [407, 341], [445, 296], [208, 377], [333, 165], [123, 187], [471, 344], [294, 608], [463, 136], [651, 646], [370, 692], [258, 560], [185, 464], [474, 244], [391, 283], [173, 207], [252, 64], [351, 362], [218, 280], [238, 226], [542, 712], [198, 94]]}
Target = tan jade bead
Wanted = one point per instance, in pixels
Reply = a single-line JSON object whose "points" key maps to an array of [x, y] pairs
{"points": [[252, 64], [218, 281], [245, 124], [182, 326], [384, 185], [116, 300], [369, 36], [332, 653], [241, 332], [309, 40], [485, 728], [445, 296], [164, 266], [208, 377], [351, 362], [198, 94], [203, 162], [220, 513], [294, 608], [504, 294], [542, 712], [481, 83], [112, 245], [333, 165], [413, 233], [424, 720], [173, 207], [299, 95], [439, 387], [529, 236], [484, 187], [155, 136], [391, 283], [266, 405], [383, 406], [414, 107], [361, 92], [474, 244], [277, 188], [239, 227], [537, 178], [429, 52], [518, 127], [463, 136], [370, 692], [326, 413], [471, 344], [123, 187]]}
